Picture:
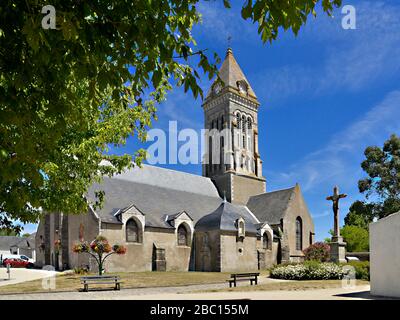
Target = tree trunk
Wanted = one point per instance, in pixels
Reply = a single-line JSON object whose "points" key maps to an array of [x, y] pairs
{"points": [[100, 265]]}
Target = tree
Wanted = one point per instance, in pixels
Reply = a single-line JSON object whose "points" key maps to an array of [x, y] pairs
{"points": [[68, 93], [361, 214], [100, 250], [356, 238], [382, 184]]}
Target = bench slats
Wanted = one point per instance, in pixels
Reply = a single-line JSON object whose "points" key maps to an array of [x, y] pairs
{"points": [[252, 276], [100, 280]]}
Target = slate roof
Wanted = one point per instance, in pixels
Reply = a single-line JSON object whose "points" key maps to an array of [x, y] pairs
{"points": [[6, 242], [270, 207], [157, 193], [224, 218], [230, 72]]}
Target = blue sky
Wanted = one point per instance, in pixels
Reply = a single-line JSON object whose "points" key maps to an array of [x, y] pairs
{"points": [[325, 96]]}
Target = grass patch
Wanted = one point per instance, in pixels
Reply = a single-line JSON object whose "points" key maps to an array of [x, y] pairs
{"points": [[288, 285], [129, 280]]}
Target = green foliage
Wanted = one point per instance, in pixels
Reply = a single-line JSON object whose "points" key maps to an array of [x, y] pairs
{"points": [[382, 166], [357, 238], [8, 232], [66, 95], [362, 269], [318, 251], [360, 214]]}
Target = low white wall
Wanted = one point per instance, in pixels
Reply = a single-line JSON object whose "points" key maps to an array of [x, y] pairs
{"points": [[385, 256]]}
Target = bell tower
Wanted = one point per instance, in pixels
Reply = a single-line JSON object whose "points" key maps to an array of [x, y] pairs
{"points": [[231, 158]]}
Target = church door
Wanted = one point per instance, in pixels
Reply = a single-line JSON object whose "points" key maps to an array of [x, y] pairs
{"points": [[159, 261]]}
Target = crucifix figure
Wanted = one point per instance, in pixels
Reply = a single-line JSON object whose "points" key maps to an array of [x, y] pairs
{"points": [[335, 199]]}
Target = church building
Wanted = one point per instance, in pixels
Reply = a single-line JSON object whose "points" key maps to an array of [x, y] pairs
{"points": [[224, 220]]}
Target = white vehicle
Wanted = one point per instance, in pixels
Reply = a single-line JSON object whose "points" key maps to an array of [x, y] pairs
{"points": [[15, 256]]}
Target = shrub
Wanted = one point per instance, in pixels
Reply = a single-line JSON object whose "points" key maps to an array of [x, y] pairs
{"points": [[356, 238], [318, 251], [362, 269], [309, 270]]}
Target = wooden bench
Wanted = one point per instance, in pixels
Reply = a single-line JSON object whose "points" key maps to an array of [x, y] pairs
{"points": [[252, 277], [115, 280]]}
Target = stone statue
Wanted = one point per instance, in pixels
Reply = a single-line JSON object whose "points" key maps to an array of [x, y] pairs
{"points": [[335, 200]]}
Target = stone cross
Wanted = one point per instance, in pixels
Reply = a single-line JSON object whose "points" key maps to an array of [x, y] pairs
{"points": [[335, 200]]}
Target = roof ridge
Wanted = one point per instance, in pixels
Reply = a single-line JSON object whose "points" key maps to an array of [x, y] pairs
{"points": [[181, 172], [275, 191]]}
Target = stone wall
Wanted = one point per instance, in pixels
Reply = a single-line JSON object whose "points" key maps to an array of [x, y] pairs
{"points": [[139, 256], [362, 256], [385, 256], [243, 187], [297, 208], [85, 226], [238, 255], [207, 251]]}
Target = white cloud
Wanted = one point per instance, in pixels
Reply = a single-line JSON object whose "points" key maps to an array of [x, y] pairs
{"points": [[339, 161]]}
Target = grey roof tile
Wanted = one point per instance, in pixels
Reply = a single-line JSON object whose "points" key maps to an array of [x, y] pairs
{"points": [[157, 192], [224, 219], [270, 207]]}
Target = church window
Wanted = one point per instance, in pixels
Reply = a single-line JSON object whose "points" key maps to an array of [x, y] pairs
{"points": [[266, 241], [299, 234], [222, 122], [182, 236], [244, 124], [210, 153], [132, 231], [238, 120], [249, 123], [241, 228], [221, 153]]}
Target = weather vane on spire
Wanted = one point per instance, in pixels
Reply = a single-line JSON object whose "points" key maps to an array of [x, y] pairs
{"points": [[229, 41]]}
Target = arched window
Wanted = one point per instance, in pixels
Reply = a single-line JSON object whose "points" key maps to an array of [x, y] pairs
{"points": [[244, 124], [241, 228], [266, 242], [132, 231], [299, 234], [182, 236], [210, 152], [222, 122], [238, 120], [248, 123], [221, 153]]}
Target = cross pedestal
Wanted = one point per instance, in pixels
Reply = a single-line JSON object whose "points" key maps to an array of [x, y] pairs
{"points": [[338, 250]]}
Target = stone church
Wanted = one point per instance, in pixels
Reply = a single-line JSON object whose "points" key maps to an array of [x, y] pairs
{"points": [[224, 220]]}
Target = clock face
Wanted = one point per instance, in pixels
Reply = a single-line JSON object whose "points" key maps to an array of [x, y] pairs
{"points": [[242, 87], [217, 88]]}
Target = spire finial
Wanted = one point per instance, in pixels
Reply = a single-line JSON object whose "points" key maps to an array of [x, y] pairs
{"points": [[229, 50]]}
